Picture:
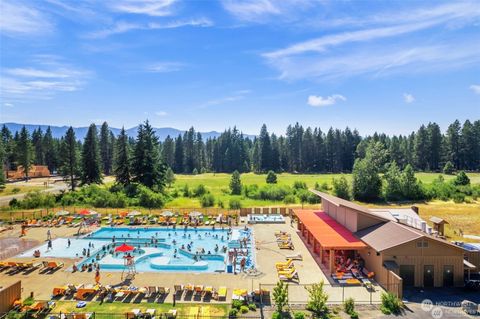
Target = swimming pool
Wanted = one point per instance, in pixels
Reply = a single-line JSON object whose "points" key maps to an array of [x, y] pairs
{"points": [[160, 249]]}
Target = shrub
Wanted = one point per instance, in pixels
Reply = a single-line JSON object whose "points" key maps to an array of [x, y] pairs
{"points": [[149, 199], [299, 185], [280, 296], [341, 188], [220, 203], [234, 203], [317, 299], [244, 309], [289, 199], [186, 191], [390, 304], [461, 179], [199, 190], [237, 304], [195, 171], [271, 177], [448, 169], [15, 190], [298, 315], [276, 315], [458, 198], [252, 307], [349, 308], [233, 313], [207, 200], [13, 203], [235, 183]]}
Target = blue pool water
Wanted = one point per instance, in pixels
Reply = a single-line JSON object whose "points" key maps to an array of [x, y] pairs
{"points": [[161, 249]]}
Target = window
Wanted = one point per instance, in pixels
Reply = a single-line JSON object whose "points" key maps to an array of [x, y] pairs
{"points": [[422, 244]]}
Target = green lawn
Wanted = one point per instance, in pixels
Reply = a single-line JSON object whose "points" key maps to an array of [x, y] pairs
{"points": [[218, 185], [11, 189], [121, 307]]}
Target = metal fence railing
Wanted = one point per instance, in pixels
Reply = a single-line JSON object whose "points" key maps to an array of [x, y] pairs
{"points": [[112, 315]]}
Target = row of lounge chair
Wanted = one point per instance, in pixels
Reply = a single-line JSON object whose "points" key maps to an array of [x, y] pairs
{"points": [[200, 291], [21, 266], [286, 270], [284, 240]]}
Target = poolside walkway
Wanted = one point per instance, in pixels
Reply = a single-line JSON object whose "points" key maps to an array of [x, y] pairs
{"points": [[267, 254]]}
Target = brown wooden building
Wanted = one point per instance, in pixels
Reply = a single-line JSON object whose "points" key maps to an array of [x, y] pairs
{"points": [[398, 253]]}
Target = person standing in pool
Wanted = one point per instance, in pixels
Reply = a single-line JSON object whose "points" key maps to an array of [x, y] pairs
{"points": [[49, 235], [68, 243], [49, 244]]}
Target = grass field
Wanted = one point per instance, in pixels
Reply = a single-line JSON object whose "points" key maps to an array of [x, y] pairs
{"points": [[218, 184], [119, 308], [19, 189]]}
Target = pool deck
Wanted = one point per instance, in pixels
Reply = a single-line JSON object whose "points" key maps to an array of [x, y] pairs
{"points": [[267, 254]]}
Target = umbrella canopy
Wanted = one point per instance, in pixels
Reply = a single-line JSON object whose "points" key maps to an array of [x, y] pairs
{"points": [[123, 214], [134, 213], [195, 214], [84, 212], [167, 213], [62, 213], [123, 248]]}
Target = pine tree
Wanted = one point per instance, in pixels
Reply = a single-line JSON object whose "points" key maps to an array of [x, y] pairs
{"points": [[2, 166], [421, 149], [168, 151], [235, 184], [452, 144], [106, 148], [179, 156], [91, 172], [37, 141], [69, 166], [170, 177], [435, 144], [122, 156], [409, 184], [366, 183], [265, 147], [147, 167], [271, 177], [393, 187], [51, 153], [25, 151]]}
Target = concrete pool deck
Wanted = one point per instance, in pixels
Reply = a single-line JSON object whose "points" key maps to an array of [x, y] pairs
{"points": [[267, 254]]}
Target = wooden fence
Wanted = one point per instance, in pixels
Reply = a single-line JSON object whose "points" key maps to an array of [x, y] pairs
{"points": [[8, 295]]}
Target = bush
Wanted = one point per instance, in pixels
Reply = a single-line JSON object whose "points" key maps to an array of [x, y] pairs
{"points": [[448, 169], [276, 315], [195, 171], [341, 188], [149, 199], [207, 200], [220, 203], [299, 185], [252, 307], [390, 304], [243, 309], [15, 190], [234, 203], [349, 308], [461, 179], [199, 190], [317, 299], [271, 177], [233, 313], [236, 304], [289, 199], [298, 315], [458, 198]]}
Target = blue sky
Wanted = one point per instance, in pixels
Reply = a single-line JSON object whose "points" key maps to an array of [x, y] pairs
{"points": [[384, 66]]}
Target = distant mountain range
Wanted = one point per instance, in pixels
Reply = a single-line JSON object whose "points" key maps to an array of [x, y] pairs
{"points": [[80, 132]]}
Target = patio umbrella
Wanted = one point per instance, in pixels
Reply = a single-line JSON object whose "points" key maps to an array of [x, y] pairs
{"points": [[62, 213], [195, 214], [84, 212], [167, 213], [123, 214], [123, 248], [134, 213]]}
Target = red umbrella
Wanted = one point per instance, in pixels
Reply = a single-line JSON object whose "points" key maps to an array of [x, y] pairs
{"points": [[124, 248], [84, 212]]}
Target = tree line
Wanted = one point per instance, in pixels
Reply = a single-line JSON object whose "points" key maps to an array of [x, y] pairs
{"points": [[301, 150]]}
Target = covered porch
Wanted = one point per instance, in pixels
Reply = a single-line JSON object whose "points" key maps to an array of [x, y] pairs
{"points": [[334, 244]]}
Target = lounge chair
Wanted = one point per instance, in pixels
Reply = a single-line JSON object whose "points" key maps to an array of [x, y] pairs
{"points": [[222, 293], [151, 291], [286, 245], [239, 293], [198, 289], [287, 271], [60, 291], [171, 314], [82, 315], [288, 276], [283, 265], [53, 265], [84, 292], [163, 291], [134, 313], [295, 256], [150, 313]]}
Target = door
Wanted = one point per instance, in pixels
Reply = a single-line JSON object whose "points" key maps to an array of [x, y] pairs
{"points": [[428, 275], [448, 276], [407, 272]]}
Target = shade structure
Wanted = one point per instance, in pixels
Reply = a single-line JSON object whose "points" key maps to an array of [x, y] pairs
{"points": [[123, 214], [134, 213], [328, 232], [195, 214], [62, 213], [167, 213], [84, 212], [123, 248]]}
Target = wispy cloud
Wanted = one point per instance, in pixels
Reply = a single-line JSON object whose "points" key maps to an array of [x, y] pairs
{"points": [[19, 19], [260, 11], [372, 50], [8, 104], [161, 113], [165, 67], [44, 79], [319, 101], [156, 8], [122, 27], [475, 88], [408, 98], [235, 96]]}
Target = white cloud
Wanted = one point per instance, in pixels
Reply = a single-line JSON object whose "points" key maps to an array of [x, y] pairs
{"points": [[7, 104], [161, 113], [19, 19], [475, 88], [262, 11], [48, 76], [235, 96], [156, 8], [319, 101], [165, 67], [372, 50], [408, 98], [122, 27]]}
